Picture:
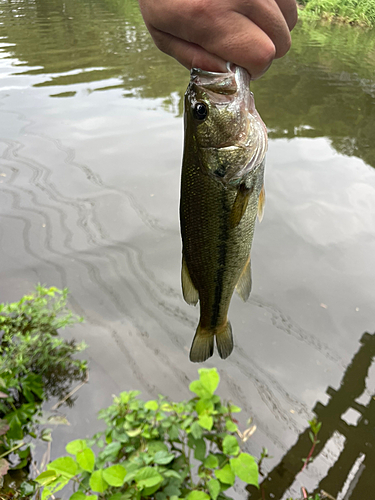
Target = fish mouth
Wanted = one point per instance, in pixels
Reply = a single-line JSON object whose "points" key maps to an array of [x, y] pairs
{"points": [[236, 79], [223, 87], [219, 83]]}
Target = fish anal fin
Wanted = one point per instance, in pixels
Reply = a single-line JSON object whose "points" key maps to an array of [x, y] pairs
{"points": [[240, 204], [189, 291], [244, 283], [202, 347], [261, 203]]}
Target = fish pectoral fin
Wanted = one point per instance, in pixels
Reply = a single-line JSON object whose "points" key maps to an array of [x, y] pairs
{"points": [[240, 204], [244, 283], [189, 291], [261, 203]]}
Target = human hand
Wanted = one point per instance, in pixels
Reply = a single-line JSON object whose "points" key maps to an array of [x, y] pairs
{"points": [[207, 33]]}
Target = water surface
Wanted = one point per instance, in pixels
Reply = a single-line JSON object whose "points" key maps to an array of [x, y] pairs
{"points": [[90, 143]]}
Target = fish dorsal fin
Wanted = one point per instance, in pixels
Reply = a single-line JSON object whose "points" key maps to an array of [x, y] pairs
{"points": [[189, 291], [244, 283], [261, 203], [240, 204]]}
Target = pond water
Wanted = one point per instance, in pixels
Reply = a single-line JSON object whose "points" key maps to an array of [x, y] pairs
{"points": [[91, 142]]}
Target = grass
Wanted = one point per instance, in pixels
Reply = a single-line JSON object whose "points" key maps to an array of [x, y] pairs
{"points": [[354, 12]]}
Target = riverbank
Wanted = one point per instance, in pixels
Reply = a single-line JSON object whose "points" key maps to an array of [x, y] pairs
{"points": [[354, 12]]}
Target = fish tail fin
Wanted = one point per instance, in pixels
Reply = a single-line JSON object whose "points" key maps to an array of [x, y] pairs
{"points": [[224, 340], [202, 347]]}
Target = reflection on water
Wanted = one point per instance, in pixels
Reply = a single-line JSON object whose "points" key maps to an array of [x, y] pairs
{"points": [[90, 152], [348, 421], [318, 90]]}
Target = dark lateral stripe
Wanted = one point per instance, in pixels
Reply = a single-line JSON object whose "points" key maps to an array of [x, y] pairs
{"points": [[222, 256]]}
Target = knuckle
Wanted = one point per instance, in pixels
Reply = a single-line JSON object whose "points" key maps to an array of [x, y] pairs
{"points": [[162, 42], [261, 60], [284, 48], [200, 8], [265, 55]]}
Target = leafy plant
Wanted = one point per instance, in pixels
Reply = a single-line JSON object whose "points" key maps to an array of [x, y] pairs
{"points": [[158, 449], [35, 364], [347, 11], [313, 434]]}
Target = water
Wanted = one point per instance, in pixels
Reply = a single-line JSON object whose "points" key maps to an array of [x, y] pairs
{"points": [[90, 144]]}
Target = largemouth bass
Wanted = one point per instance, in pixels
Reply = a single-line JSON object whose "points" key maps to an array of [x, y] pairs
{"points": [[221, 193]]}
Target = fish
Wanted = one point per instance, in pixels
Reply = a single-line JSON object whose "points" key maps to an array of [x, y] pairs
{"points": [[222, 191]]}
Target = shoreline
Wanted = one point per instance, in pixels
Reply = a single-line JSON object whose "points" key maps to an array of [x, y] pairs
{"points": [[338, 12]]}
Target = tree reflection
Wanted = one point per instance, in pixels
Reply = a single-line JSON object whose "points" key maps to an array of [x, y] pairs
{"points": [[323, 88], [353, 470]]}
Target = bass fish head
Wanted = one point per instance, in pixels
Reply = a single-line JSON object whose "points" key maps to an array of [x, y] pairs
{"points": [[220, 117]]}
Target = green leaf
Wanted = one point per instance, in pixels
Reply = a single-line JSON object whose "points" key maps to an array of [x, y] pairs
{"points": [[204, 405], [148, 491], [134, 432], [172, 489], [15, 426], [75, 446], [230, 426], [214, 488], [206, 421], [209, 378], [97, 482], [172, 473], [197, 495], [234, 409], [151, 405], [65, 466], [225, 475], [116, 496], [211, 462], [114, 475], [148, 477], [55, 486], [79, 495], [173, 432], [197, 387], [110, 452], [230, 445], [200, 449], [86, 459], [46, 477], [163, 457], [32, 384], [196, 430], [155, 446], [246, 468]]}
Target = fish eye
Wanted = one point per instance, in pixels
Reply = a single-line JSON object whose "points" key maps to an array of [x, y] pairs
{"points": [[200, 111]]}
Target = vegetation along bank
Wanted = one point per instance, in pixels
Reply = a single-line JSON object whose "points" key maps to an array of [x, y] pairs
{"points": [[355, 12]]}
